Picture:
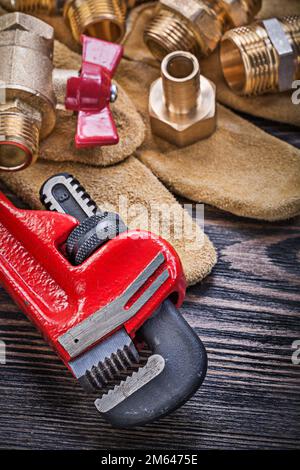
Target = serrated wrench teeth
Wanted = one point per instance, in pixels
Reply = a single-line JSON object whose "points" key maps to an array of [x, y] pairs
{"points": [[154, 366]]}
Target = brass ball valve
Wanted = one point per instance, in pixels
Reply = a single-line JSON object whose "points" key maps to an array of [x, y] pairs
{"points": [[30, 90], [196, 26], [103, 19], [27, 105], [262, 57], [182, 103]]}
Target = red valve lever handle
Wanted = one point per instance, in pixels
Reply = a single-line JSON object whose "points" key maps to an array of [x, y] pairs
{"points": [[90, 93]]}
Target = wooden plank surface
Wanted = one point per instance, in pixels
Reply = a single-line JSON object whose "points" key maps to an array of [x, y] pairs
{"points": [[246, 312]]}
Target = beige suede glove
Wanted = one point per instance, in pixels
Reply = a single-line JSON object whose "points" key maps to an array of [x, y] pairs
{"points": [[240, 168]]}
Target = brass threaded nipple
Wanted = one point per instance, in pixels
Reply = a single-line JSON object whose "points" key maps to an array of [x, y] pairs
{"points": [[169, 33], [19, 141], [250, 61], [104, 19]]}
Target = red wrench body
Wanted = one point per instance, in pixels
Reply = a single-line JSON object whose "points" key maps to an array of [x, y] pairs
{"points": [[56, 295]]}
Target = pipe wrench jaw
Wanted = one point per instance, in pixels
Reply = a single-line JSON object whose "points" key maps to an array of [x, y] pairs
{"points": [[172, 374]]}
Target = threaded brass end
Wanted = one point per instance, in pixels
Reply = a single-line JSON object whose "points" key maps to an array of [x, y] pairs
{"points": [[103, 19], [249, 60], [48, 7], [19, 141], [195, 26], [168, 32]]}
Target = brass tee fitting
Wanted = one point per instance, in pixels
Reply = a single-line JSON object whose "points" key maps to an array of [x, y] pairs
{"points": [[27, 107], [196, 26], [263, 57], [182, 103]]}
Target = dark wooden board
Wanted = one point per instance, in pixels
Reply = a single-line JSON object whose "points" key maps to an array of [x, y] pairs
{"points": [[247, 313]]}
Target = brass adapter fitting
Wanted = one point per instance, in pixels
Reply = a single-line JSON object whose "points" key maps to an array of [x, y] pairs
{"points": [[196, 26], [263, 57], [27, 105], [103, 19], [182, 103]]}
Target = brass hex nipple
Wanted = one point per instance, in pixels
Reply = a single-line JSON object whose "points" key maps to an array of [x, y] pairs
{"points": [[196, 26], [27, 104], [182, 103], [263, 57]]}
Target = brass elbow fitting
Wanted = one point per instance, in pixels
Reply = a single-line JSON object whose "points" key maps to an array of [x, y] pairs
{"points": [[196, 26], [182, 103], [263, 57], [27, 107]]}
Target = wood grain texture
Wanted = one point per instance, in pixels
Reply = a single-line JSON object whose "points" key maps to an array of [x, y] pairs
{"points": [[246, 312]]}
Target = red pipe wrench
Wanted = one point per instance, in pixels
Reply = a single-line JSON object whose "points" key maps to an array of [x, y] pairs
{"points": [[106, 299]]}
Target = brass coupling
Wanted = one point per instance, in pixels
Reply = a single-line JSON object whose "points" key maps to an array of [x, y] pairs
{"points": [[196, 26], [263, 57], [103, 19], [182, 103]]}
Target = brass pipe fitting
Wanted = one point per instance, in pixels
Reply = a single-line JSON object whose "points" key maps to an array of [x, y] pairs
{"points": [[32, 93], [263, 57], [196, 26], [103, 19], [27, 107], [47, 7], [182, 103]]}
